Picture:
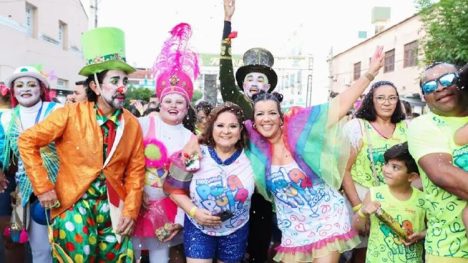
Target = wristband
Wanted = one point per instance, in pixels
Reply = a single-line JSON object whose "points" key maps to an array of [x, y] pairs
{"points": [[192, 211], [369, 76], [361, 214], [357, 207]]}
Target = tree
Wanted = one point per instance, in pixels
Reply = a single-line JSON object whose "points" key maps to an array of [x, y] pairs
{"points": [[446, 25], [197, 94], [135, 93]]}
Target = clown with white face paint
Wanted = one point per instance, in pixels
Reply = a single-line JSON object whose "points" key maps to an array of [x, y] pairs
{"points": [[254, 83], [165, 136], [113, 88], [254, 76], [30, 98], [27, 91], [99, 187]]}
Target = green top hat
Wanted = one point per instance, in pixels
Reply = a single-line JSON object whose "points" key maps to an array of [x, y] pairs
{"points": [[104, 49]]}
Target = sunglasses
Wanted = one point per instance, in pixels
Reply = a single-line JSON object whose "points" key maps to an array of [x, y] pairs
{"points": [[445, 81]]}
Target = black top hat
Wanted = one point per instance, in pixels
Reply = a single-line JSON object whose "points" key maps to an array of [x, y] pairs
{"points": [[257, 60]]}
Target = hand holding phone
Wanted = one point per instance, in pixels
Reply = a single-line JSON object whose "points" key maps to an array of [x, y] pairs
{"points": [[224, 215]]}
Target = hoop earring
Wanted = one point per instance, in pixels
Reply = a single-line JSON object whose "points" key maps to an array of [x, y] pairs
{"points": [[254, 126]]}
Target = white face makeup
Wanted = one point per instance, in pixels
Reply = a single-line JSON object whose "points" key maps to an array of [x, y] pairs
{"points": [[254, 82], [27, 91], [114, 87], [173, 109]]}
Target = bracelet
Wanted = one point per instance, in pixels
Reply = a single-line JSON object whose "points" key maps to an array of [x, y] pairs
{"points": [[361, 214], [369, 76], [192, 211], [357, 207]]}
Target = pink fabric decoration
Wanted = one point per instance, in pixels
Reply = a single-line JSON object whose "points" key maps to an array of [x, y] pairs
{"points": [[6, 232], [158, 213], [4, 90], [163, 161], [319, 244], [232, 35], [23, 237], [51, 76], [176, 67]]}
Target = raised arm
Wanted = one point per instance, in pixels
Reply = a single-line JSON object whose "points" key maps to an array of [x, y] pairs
{"points": [[346, 99], [229, 90], [229, 8]]}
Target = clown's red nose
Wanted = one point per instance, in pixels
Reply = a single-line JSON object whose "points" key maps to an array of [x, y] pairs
{"points": [[120, 90]]}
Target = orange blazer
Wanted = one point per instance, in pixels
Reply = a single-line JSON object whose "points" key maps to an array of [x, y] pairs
{"points": [[79, 143]]}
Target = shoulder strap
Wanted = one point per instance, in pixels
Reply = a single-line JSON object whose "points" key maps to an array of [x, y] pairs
{"points": [[151, 128], [371, 153]]}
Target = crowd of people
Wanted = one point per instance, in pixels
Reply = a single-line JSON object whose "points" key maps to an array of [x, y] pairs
{"points": [[242, 181]]}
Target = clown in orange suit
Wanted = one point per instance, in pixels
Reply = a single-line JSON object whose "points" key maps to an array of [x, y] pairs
{"points": [[97, 196]]}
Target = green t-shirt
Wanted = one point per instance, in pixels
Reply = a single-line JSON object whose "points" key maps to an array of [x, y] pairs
{"points": [[430, 133], [361, 171], [385, 245]]}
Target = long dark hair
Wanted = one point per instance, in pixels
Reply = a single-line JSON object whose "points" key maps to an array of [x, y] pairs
{"points": [[367, 109], [207, 135], [89, 92]]}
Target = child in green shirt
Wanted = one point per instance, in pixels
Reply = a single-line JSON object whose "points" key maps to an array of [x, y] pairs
{"points": [[403, 203]]}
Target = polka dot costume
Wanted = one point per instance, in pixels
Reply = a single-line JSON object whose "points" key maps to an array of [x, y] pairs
{"points": [[85, 230]]}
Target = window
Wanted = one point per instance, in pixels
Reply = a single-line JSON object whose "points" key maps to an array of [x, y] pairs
{"points": [[357, 70], [62, 84], [389, 61], [31, 20], [411, 54], [63, 35]]}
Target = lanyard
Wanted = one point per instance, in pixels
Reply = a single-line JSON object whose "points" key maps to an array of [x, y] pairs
{"points": [[38, 116]]}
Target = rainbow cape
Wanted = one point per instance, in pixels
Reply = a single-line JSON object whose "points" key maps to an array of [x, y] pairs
{"points": [[315, 139]]}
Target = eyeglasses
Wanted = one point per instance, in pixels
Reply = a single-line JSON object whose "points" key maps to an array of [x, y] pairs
{"points": [[382, 99], [445, 81]]}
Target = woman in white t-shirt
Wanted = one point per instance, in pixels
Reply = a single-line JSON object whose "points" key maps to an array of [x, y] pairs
{"points": [[217, 198]]}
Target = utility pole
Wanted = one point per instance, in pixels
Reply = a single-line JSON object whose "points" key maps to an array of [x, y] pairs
{"points": [[94, 6], [95, 12]]}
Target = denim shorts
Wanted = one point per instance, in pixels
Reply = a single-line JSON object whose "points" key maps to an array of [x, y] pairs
{"points": [[229, 249]]}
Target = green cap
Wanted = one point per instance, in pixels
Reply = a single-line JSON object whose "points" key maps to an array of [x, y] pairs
{"points": [[104, 49]]}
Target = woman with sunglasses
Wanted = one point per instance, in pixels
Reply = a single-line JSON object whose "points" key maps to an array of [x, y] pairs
{"points": [[379, 124]]}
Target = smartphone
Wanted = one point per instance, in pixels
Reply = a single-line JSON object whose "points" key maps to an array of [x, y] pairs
{"points": [[224, 215]]}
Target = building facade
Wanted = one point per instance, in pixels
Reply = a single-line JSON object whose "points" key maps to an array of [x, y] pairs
{"points": [[46, 34], [402, 55], [294, 77]]}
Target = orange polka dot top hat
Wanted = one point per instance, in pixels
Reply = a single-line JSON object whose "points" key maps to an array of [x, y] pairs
{"points": [[104, 49]]}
